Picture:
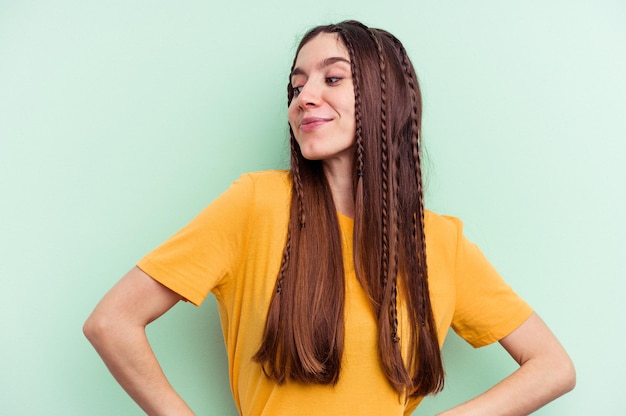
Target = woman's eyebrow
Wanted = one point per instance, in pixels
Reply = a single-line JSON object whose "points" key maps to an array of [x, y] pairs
{"points": [[323, 64]]}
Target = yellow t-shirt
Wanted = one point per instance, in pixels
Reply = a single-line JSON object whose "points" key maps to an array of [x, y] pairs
{"points": [[233, 248]]}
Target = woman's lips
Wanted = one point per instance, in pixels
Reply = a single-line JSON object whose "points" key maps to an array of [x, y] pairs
{"points": [[311, 123]]}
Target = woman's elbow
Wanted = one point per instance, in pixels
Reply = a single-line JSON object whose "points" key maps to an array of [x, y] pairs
{"points": [[568, 376], [563, 375], [91, 329], [97, 328]]}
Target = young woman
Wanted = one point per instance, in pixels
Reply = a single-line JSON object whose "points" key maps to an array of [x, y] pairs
{"points": [[335, 287]]}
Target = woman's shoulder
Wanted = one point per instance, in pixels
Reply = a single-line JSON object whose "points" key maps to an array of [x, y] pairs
{"points": [[441, 222], [266, 190], [442, 228], [275, 177], [443, 233], [266, 183]]}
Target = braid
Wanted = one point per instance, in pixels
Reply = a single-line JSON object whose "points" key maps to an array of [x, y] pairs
{"points": [[393, 310], [396, 234], [427, 329], [287, 251], [415, 100], [297, 182], [418, 220], [283, 264], [415, 145], [384, 160], [390, 206], [357, 110]]}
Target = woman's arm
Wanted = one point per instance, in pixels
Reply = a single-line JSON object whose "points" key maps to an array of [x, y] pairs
{"points": [[116, 329], [546, 372]]}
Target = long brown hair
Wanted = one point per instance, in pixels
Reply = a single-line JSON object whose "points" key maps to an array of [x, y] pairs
{"points": [[303, 336]]}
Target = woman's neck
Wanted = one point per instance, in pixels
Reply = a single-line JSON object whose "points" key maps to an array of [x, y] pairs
{"points": [[340, 179]]}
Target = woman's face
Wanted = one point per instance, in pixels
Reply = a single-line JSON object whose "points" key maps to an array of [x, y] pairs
{"points": [[321, 113]]}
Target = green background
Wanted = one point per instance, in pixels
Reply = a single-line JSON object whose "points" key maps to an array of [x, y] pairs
{"points": [[120, 120]]}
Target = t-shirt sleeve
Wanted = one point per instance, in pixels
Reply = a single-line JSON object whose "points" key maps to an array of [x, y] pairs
{"points": [[486, 308], [202, 255]]}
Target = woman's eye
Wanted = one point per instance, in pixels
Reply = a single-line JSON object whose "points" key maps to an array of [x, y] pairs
{"points": [[296, 90], [332, 80]]}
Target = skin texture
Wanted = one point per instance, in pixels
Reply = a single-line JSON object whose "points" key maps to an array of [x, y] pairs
{"points": [[116, 327], [326, 94], [546, 372], [321, 113]]}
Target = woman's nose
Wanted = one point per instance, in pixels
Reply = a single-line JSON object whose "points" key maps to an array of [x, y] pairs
{"points": [[309, 95]]}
